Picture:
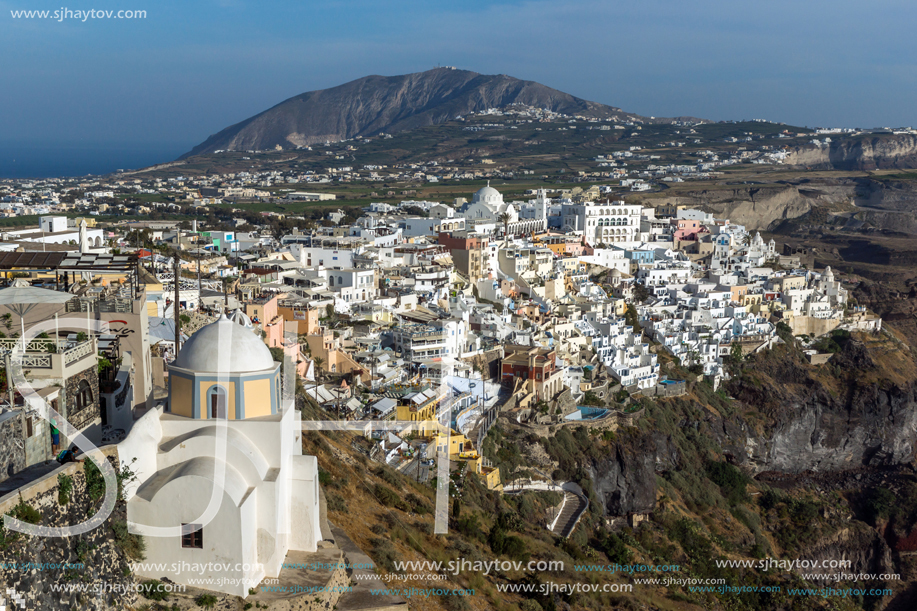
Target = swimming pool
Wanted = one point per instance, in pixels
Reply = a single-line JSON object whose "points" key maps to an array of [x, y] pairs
{"points": [[587, 413]]}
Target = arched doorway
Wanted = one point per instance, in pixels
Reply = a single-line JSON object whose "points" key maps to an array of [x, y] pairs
{"points": [[217, 403]]}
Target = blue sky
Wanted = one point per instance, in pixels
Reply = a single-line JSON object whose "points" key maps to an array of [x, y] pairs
{"points": [[193, 67]]}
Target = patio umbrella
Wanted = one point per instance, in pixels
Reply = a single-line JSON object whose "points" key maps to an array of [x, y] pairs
{"points": [[21, 299]]}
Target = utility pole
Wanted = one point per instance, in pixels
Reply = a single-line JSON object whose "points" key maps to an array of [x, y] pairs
{"points": [[199, 292], [175, 303]]}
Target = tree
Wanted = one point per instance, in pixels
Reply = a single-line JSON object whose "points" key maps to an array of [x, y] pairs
{"points": [[279, 356], [632, 317], [641, 293], [735, 353], [503, 217]]}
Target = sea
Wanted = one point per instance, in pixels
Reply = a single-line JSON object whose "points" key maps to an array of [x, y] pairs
{"points": [[50, 160]]}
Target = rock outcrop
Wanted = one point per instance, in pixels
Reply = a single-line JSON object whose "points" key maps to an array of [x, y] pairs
{"points": [[625, 481], [892, 151], [868, 418], [761, 207]]}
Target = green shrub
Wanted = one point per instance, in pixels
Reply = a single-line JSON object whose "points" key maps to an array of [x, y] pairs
{"points": [[64, 488], [452, 602], [615, 549], [389, 497], [469, 525], [133, 545], [95, 481], [388, 476], [418, 505], [383, 553], [514, 547], [206, 600], [336, 502], [496, 539], [730, 479], [153, 590], [769, 499], [880, 504], [25, 512]]}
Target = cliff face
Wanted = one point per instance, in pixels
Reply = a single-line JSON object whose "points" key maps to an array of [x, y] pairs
{"points": [[376, 104], [875, 427], [861, 545], [864, 416], [860, 413], [761, 208], [864, 153], [625, 480]]}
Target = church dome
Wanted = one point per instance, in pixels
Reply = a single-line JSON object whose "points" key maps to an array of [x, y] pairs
{"points": [[488, 195], [246, 351]]}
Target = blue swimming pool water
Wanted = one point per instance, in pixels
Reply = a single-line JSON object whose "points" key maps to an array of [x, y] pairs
{"points": [[587, 413]]}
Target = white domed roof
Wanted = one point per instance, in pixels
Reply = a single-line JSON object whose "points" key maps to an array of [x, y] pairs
{"points": [[488, 195], [246, 351]]}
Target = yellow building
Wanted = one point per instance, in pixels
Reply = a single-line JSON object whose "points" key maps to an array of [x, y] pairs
{"points": [[249, 387], [418, 406], [475, 463]]}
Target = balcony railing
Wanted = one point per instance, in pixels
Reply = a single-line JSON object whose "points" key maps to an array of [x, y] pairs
{"points": [[115, 304], [47, 353], [78, 352], [35, 345]]}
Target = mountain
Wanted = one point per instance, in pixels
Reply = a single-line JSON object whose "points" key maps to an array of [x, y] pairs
{"points": [[375, 104]]}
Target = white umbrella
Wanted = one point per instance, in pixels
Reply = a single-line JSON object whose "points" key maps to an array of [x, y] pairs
{"points": [[21, 299]]}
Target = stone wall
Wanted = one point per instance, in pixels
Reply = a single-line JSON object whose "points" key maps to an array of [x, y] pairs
{"points": [[489, 361], [89, 414], [92, 559], [807, 325], [12, 452], [679, 388]]}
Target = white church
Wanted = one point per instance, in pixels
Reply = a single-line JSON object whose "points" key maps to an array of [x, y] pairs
{"points": [[221, 467], [487, 205]]}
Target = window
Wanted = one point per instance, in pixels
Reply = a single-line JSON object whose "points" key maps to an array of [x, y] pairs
{"points": [[84, 395], [192, 536], [217, 403]]}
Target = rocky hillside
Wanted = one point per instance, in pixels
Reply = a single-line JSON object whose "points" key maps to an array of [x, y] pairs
{"points": [[856, 411], [861, 153], [761, 207], [788, 460], [374, 104]]}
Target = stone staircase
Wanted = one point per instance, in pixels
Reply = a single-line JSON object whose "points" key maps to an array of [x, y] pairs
{"points": [[574, 506]]}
